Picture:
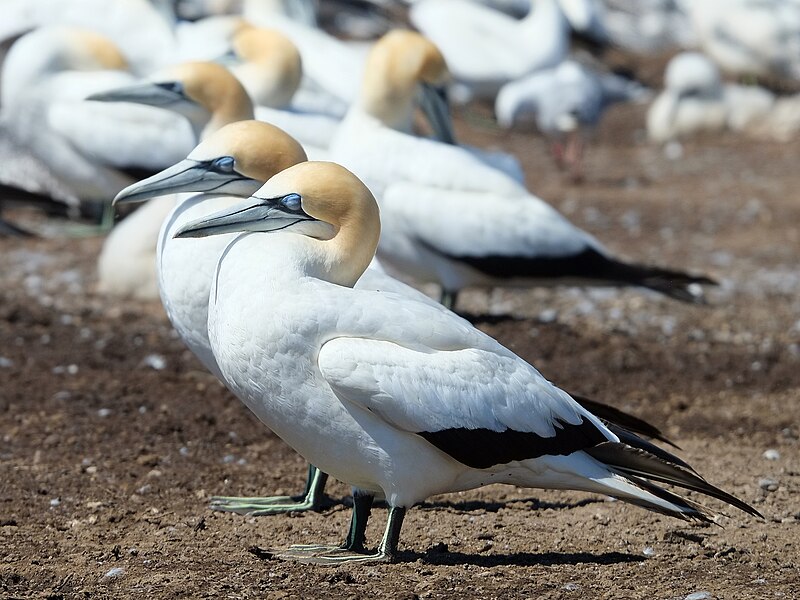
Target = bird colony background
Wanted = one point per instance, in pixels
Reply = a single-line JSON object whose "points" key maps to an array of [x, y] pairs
{"points": [[114, 436]]}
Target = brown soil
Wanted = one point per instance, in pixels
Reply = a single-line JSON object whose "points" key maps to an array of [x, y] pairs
{"points": [[107, 462]]}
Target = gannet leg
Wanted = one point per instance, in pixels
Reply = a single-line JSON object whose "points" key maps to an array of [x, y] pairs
{"points": [[386, 552], [310, 499], [448, 299]]}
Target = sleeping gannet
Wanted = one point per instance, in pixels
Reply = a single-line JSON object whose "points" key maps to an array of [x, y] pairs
{"points": [[389, 394], [436, 198], [485, 48], [47, 75]]}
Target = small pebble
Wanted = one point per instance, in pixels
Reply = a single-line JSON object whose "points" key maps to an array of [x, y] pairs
{"points": [[571, 587], [55, 501], [673, 150], [184, 451], [155, 361], [767, 484], [6, 363], [648, 551], [548, 315], [115, 573], [772, 454], [228, 458], [698, 596], [103, 412]]}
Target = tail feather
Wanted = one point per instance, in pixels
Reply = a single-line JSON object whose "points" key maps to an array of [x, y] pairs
{"points": [[615, 416], [637, 463], [673, 284]]}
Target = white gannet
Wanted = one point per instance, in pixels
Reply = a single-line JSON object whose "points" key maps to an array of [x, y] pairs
{"points": [[566, 102], [47, 74], [695, 100], [136, 26], [235, 161], [209, 97], [485, 49], [749, 37], [387, 393], [434, 198]]}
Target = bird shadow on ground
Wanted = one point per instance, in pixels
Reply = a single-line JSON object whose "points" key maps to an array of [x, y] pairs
{"points": [[492, 506], [440, 555]]}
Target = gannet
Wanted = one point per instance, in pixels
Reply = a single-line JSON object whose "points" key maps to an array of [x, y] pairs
{"points": [[695, 100], [485, 48], [749, 37], [237, 160], [209, 97], [144, 36], [47, 74], [566, 102], [387, 393], [434, 198]]}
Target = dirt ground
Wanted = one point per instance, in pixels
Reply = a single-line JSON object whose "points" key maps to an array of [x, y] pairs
{"points": [[113, 436]]}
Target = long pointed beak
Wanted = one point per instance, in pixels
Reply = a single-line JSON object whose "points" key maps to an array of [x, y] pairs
{"points": [[254, 215], [151, 94], [189, 176], [433, 102]]}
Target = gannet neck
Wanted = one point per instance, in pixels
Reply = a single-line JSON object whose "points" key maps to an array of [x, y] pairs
{"points": [[332, 194], [47, 51], [220, 96], [397, 63], [272, 67]]}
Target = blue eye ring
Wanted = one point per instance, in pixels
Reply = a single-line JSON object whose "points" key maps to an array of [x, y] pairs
{"points": [[292, 201], [224, 164]]}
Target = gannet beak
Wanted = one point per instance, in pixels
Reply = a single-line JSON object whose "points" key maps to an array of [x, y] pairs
{"points": [[163, 94], [212, 176], [436, 108], [255, 215]]}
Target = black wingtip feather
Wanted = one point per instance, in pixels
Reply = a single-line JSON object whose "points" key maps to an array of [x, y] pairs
{"points": [[618, 417], [636, 462]]}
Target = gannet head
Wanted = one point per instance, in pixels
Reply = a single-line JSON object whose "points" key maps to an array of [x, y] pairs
{"points": [[272, 67], [53, 49], [320, 200], [398, 63], [236, 161], [206, 93]]}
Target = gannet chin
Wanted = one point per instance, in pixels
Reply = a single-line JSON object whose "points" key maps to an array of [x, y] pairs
{"points": [[387, 393]]}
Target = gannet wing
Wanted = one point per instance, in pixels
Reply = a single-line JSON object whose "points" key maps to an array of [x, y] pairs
{"points": [[490, 225], [481, 407], [123, 135]]}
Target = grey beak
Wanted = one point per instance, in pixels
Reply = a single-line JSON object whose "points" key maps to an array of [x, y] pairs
{"points": [[152, 94], [189, 176], [255, 215], [436, 108]]}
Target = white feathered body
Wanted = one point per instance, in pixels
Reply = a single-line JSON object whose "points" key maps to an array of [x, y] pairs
{"points": [[347, 377]]}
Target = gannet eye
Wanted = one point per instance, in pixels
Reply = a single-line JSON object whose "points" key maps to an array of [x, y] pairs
{"points": [[172, 86], [291, 201], [224, 164]]}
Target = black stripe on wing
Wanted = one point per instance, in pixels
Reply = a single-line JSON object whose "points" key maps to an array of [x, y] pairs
{"points": [[484, 448], [588, 265]]}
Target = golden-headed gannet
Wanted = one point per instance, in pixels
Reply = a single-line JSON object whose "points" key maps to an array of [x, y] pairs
{"points": [[209, 97], [389, 394], [47, 74], [235, 160], [433, 199], [136, 26]]}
